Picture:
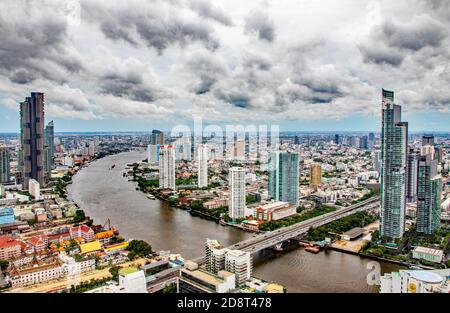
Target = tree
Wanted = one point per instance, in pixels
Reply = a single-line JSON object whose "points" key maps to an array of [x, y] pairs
{"points": [[79, 216], [3, 265], [114, 270], [138, 248]]}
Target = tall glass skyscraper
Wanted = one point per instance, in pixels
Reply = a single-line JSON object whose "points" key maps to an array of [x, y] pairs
{"points": [[394, 145], [429, 189], [411, 177], [49, 146], [284, 176], [4, 164], [32, 139]]}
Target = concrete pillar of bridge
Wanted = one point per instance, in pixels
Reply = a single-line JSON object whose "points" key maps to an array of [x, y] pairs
{"points": [[278, 247]]}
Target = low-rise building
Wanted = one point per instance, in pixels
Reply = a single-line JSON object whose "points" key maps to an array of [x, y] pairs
{"points": [[82, 231], [274, 211], [39, 242], [34, 188], [10, 248], [416, 281], [428, 254], [200, 280], [90, 247], [37, 273], [6, 216]]}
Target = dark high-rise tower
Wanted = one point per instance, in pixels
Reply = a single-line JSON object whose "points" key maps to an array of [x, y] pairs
{"points": [[157, 137], [428, 140], [411, 175], [32, 139], [428, 196], [394, 145]]}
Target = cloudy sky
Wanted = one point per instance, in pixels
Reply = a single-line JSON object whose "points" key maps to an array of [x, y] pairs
{"points": [[301, 64]]}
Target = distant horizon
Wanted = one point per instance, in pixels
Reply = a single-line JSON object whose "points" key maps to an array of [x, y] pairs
{"points": [[282, 132]]}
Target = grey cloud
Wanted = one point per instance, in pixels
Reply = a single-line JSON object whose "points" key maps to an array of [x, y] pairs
{"points": [[130, 80], [381, 55], [258, 21], [391, 42], [35, 46], [420, 33], [206, 69], [154, 23], [208, 10]]}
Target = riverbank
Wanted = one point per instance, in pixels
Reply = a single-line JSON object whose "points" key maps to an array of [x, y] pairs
{"points": [[105, 193]]}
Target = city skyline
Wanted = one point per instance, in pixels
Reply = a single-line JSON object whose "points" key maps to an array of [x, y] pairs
{"points": [[242, 148], [228, 62]]}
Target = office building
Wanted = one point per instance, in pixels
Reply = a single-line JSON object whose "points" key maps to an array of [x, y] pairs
{"points": [[394, 147], [239, 263], [153, 154], [236, 207], [428, 140], [336, 139], [202, 161], [411, 177], [273, 211], [427, 150], [239, 153], [157, 137], [32, 139], [4, 165], [49, 146], [91, 149], [429, 189], [315, 176], [34, 188], [283, 182], [218, 258], [6, 216], [167, 167], [183, 149], [214, 256], [364, 142], [197, 280], [376, 160]]}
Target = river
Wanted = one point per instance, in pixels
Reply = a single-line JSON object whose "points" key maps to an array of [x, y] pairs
{"points": [[104, 193]]}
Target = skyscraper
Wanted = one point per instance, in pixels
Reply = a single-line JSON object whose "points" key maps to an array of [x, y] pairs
{"points": [[411, 177], [239, 153], [236, 205], [284, 176], [4, 164], [336, 139], [376, 160], [153, 154], [428, 140], [364, 142], [157, 137], [394, 135], [32, 139], [167, 167], [429, 190], [49, 146], [315, 176], [202, 160]]}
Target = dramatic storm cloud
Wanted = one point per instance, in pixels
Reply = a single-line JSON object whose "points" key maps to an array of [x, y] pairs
{"points": [[224, 60]]}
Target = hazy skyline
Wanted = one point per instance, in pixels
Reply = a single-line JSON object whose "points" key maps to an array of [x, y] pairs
{"points": [[304, 65]]}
